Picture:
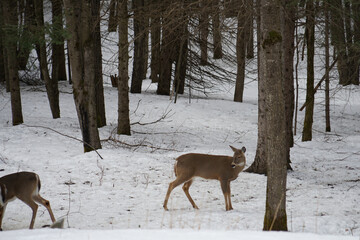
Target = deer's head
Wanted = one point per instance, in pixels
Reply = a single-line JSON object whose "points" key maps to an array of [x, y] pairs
{"points": [[238, 157]]}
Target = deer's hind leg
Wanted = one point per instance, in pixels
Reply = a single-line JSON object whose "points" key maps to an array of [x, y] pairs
{"points": [[45, 203], [179, 180], [186, 187]]}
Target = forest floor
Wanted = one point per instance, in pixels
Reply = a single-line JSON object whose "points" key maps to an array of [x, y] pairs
{"points": [[125, 190]]}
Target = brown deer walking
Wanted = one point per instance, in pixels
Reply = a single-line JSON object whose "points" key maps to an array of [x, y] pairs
{"points": [[222, 168], [24, 186]]}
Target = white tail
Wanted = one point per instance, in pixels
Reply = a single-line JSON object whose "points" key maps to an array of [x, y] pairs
{"points": [[223, 168], [24, 186]]}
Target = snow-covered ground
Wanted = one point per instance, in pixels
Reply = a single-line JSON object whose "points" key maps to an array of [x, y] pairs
{"points": [[121, 195]]}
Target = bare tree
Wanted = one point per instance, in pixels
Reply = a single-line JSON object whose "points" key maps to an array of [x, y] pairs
{"points": [[260, 164], [241, 46], [123, 87], [271, 73], [327, 66], [50, 83], [310, 42], [112, 16], [139, 46], [155, 28], [99, 83], [81, 26], [204, 30], [216, 29], [10, 18], [58, 52]]}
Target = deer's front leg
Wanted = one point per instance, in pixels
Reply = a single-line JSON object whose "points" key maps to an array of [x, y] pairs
{"points": [[229, 195], [225, 190]]}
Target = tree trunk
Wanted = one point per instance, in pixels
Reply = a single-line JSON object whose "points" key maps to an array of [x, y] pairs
{"points": [[51, 84], [155, 26], [181, 61], [123, 79], [3, 54], [146, 21], [26, 39], [288, 32], [338, 39], [139, 45], [271, 69], [80, 23], [250, 30], [58, 52], [327, 64], [310, 42], [168, 50], [356, 49], [241, 42], [216, 30], [112, 16], [3, 65], [260, 164], [10, 21], [99, 85], [204, 31]]}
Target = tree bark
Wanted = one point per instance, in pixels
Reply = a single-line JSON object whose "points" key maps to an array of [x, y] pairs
{"points": [[26, 38], [338, 39], [310, 42], [3, 65], [123, 79], [99, 84], [80, 24], [250, 30], [204, 31], [168, 47], [327, 69], [241, 42], [260, 164], [58, 52], [139, 46], [155, 28], [288, 32], [216, 30], [112, 16], [10, 22], [271, 70], [181, 61], [356, 49], [51, 84]]}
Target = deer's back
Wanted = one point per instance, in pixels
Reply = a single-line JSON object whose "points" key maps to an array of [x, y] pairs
{"points": [[205, 166]]}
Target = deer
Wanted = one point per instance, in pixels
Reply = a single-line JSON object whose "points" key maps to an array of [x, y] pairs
{"points": [[24, 186], [222, 168]]}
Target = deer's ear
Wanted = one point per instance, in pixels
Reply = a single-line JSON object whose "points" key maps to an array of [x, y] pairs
{"points": [[243, 149], [234, 149]]}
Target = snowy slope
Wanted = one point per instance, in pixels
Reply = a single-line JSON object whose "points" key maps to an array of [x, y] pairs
{"points": [[125, 190]]}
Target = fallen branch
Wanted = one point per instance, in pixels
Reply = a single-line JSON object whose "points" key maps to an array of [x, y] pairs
{"points": [[153, 122], [138, 145], [62, 134]]}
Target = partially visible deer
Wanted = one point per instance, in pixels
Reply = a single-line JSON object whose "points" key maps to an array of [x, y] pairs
{"points": [[24, 186], [223, 168]]}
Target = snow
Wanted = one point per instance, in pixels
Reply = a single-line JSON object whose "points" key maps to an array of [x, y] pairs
{"points": [[175, 234], [121, 195]]}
